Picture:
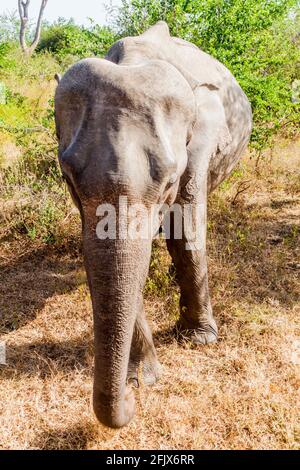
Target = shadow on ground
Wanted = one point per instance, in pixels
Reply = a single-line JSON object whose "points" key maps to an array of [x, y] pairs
{"points": [[42, 358], [28, 281], [73, 438]]}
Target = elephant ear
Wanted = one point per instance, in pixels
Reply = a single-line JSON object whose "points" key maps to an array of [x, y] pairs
{"points": [[211, 138], [157, 32], [208, 101], [210, 131]]}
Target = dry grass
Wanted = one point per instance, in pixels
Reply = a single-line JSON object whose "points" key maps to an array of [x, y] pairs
{"points": [[242, 393]]}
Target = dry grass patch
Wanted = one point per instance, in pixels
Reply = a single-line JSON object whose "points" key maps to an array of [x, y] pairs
{"points": [[242, 393]]}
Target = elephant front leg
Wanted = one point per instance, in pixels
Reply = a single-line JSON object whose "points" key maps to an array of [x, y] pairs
{"points": [[143, 351], [189, 257]]}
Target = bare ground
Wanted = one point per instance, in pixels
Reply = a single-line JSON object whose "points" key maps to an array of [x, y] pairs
{"points": [[242, 393]]}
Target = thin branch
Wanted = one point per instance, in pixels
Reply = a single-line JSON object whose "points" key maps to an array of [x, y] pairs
{"points": [[38, 26], [242, 187]]}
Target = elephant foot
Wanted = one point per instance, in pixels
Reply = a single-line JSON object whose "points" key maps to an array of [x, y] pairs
{"points": [[205, 333], [151, 371], [201, 337]]}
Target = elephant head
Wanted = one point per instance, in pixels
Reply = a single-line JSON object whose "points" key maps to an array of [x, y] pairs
{"points": [[123, 132]]}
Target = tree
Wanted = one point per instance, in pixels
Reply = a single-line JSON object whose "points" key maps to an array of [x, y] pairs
{"points": [[23, 6]]}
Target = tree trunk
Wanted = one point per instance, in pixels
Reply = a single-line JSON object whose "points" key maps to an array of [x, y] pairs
{"points": [[23, 6]]}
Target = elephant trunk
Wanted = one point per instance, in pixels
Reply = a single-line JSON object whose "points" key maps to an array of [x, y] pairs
{"points": [[116, 271]]}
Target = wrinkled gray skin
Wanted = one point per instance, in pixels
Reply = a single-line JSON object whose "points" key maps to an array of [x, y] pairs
{"points": [[154, 107]]}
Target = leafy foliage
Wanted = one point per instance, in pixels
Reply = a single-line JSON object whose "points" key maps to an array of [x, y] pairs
{"points": [[29, 169], [65, 38], [6, 60]]}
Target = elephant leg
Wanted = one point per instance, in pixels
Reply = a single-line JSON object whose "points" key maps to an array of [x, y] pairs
{"points": [[143, 350], [190, 263], [196, 315]]}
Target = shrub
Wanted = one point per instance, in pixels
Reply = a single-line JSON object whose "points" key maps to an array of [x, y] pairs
{"points": [[6, 60], [65, 38]]}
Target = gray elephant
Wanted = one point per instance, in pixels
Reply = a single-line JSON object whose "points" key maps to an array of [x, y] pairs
{"points": [[157, 121]]}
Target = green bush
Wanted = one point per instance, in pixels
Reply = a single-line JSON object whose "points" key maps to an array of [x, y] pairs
{"points": [[65, 38], [6, 60], [31, 190]]}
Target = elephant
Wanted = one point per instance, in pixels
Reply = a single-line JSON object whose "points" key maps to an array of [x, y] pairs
{"points": [[157, 121]]}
